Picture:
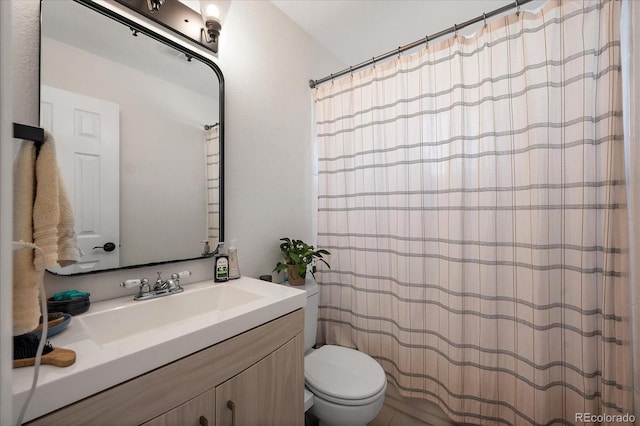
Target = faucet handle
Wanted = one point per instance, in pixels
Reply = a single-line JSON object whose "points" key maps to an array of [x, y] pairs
{"points": [[172, 284], [175, 277], [179, 275], [184, 274], [141, 283], [131, 283]]}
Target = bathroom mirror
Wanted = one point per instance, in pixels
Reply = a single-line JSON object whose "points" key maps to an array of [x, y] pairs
{"points": [[138, 126]]}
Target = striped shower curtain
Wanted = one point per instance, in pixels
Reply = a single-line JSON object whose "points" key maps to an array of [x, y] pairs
{"points": [[212, 149], [472, 195]]}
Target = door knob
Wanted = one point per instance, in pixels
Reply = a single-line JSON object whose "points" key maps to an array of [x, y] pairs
{"points": [[106, 247]]}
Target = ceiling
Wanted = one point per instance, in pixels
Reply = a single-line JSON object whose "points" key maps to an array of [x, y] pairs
{"points": [[357, 30]]}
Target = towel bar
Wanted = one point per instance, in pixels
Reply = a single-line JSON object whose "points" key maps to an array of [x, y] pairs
{"points": [[29, 133]]}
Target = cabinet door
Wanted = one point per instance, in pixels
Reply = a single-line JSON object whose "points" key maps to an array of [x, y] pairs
{"points": [[268, 393], [200, 411]]}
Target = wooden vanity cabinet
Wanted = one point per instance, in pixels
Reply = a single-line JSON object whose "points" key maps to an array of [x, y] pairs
{"points": [[266, 393], [255, 378]]}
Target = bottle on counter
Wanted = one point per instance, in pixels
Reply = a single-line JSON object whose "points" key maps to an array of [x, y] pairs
{"points": [[234, 267], [221, 272]]}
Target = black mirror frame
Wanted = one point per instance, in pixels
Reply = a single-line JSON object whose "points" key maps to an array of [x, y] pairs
{"points": [[190, 53]]}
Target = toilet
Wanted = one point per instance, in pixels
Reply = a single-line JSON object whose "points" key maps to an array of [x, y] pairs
{"points": [[342, 385]]}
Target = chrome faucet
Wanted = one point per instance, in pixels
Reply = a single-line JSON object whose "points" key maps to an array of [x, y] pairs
{"points": [[160, 288], [160, 283]]}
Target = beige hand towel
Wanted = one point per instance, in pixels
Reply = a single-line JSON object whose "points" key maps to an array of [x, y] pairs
{"points": [[52, 215], [42, 214], [26, 307]]}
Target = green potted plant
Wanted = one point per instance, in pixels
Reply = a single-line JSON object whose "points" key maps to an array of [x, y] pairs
{"points": [[297, 256]]}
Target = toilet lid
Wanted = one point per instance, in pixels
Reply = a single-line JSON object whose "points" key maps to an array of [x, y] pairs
{"points": [[343, 373]]}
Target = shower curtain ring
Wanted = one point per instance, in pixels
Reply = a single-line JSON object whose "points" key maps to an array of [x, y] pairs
{"points": [[351, 71], [517, 8], [484, 18], [426, 41], [455, 30], [399, 51]]}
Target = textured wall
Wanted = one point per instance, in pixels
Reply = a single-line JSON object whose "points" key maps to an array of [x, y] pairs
{"points": [[17, 22], [25, 44], [267, 61], [6, 228]]}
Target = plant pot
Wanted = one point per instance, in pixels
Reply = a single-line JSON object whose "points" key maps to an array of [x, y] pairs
{"points": [[294, 277]]}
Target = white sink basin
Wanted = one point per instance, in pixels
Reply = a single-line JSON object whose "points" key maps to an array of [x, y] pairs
{"points": [[123, 322]]}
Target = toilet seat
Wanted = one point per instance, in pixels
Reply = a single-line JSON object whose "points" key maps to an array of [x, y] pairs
{"points": [[347, 402], [344, 376]]}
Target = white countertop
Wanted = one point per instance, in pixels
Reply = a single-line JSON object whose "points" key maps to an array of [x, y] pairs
{"points": [[100, 367]]}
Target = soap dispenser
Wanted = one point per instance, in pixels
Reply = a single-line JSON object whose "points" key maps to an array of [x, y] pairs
{"points": [[206, 250], [234, 268], [221, 272]]}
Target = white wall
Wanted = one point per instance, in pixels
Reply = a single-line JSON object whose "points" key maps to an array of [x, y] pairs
{"points": [[19, 18], [267, 63], [6, 220], [630, 30]]}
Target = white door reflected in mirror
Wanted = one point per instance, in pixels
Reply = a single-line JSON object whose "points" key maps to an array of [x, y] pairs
{"points": [[87, 135]]}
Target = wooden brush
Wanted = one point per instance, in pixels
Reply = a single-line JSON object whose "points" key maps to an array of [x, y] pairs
{"points": [[26, 346]]}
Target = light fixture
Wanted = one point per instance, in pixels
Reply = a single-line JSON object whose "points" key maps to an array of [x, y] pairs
{"points": [[154, 5], [199, 21], [211, 17], [212, 14]]}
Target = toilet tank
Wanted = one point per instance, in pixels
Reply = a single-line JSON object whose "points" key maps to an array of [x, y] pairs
{"points": [[311, 314]]}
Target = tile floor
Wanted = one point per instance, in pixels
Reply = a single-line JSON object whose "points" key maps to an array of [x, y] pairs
{"points": [[391, 417], [388, 417]]}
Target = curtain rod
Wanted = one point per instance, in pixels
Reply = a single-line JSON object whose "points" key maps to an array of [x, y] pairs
{"points": [[454, 29]]}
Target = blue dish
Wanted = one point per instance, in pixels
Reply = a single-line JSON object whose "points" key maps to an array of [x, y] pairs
{"points": [[73, 306], [58, 328]]}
